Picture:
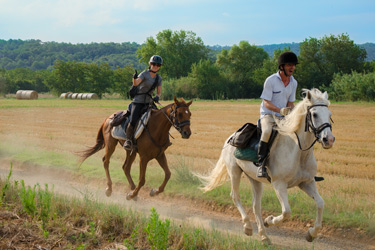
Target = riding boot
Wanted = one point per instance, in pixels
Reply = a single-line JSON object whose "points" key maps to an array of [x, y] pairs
{"points": [[262, 155], [129, 137]]}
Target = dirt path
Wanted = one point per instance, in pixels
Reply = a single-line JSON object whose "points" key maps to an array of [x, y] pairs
{"points": [[178, 209]]}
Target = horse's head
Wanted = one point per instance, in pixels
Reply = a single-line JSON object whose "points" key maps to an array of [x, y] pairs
{"points": [[180, 116], [318, 117]]}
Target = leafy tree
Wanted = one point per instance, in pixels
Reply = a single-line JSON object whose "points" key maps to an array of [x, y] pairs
{"points": [[80, 77], [122, 80], [179, 51], [321, 59], [183, 87], [210, 84], [239, 64], [98, 78]]}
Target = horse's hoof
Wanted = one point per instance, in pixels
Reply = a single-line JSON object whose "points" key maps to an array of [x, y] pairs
{"points": [[130, 196], [248, 231], [108, 192], [266, 240], [153, 192], [267, 221], [309, 238]]}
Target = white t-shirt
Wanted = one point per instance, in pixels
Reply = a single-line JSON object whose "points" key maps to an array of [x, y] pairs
{"points": [[275, 91]]}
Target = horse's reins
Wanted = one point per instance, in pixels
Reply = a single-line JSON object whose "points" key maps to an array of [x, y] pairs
{"points": [[172, 118], [309, 124]]}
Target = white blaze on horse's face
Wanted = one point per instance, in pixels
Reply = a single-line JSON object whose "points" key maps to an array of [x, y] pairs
{"points": [[322, 115]]}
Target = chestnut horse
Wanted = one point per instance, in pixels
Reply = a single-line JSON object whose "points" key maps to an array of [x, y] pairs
{"points": [[151, 144]]}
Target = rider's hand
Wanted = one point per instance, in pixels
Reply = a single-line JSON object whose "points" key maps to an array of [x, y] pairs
{"points": [[156, 99], [285, 111], [135, 75]]}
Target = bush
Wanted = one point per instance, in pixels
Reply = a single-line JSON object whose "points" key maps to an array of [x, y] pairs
{"points": [[353, 87]]}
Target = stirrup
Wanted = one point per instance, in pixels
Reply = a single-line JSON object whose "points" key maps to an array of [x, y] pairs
{"points": [[128, 145], [262, 172]]}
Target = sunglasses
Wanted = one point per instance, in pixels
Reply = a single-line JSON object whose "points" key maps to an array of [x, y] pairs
{"points": [[156, 64]]}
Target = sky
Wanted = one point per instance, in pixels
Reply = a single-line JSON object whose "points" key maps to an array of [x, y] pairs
{"points": [[216, 22]]}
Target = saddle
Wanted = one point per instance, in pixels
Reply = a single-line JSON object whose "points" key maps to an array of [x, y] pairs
{"points": [[120, 122], [249, 136]]}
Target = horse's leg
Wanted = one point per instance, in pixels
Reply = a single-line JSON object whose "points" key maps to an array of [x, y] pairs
{"points": [[110, 147], [130, 157], [282, 195], [142, 179], [311, 190], [234, 173], [257, 199], [162, 160]]}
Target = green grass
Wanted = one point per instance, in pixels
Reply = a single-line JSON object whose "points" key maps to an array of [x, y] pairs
{"points": [[88, 224]]}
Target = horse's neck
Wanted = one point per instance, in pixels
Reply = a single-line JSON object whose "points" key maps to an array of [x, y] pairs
{"points": [[306, 138], [159, 121]]}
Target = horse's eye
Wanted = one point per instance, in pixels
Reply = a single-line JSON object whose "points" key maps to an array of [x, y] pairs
{"points": [[179, 115], [315, 115]]}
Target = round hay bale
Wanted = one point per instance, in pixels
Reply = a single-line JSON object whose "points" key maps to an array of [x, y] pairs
{"points": [[19, 94], [62, 96], [92, 96], [79, 96], [74, 96], [84, 96], [27, 95], [69, 95]]}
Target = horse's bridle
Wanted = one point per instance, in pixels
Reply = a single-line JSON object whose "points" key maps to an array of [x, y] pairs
{"points": [[173, 118], [310, 125]]}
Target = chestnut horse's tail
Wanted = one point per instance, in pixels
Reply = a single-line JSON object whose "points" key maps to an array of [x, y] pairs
{"points": [[100, 144]]}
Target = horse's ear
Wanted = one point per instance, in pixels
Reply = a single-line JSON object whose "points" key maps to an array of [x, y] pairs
{"points": [[325, 95], [308, 95], [189, 103], [175, 100]]}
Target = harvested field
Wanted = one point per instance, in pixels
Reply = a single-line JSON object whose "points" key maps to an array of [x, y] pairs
{"points": [[49, 131]]}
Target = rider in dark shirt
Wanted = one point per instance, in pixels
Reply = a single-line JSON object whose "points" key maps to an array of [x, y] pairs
{"points": [[144, 81]]}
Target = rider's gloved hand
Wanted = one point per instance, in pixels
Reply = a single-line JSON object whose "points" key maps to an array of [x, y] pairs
{"points": [[156, 99], [285, 111], [135, 75]]}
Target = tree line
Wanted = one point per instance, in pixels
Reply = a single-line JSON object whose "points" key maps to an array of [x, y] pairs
{"points": [[194, 70]]}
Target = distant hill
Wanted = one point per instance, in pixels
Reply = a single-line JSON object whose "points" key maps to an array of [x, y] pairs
{"points": [[37, 55], [272, 47]]}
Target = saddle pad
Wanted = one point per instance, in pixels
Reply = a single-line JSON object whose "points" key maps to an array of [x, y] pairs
{"points": [[246, 154], [118, 132], [141, 124]]}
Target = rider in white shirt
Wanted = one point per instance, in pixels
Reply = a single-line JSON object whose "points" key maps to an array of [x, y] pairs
{"points": [[279, 94]]}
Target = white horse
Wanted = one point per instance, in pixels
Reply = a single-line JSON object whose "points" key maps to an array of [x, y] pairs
{"points": [[291, 163]]}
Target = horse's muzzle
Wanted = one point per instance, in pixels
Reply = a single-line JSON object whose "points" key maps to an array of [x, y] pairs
{"points": [[327, 141], [185, 134]]}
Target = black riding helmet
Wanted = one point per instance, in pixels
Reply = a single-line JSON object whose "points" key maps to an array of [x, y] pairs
{"points": [[156, 59], [287, 57]]}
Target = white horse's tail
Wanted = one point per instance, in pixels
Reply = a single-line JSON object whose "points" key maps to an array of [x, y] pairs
{"points": [[217, 176]]}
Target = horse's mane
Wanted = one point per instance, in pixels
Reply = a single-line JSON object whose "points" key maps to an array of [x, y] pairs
{"points": [[180, 100], [292, 122]]}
